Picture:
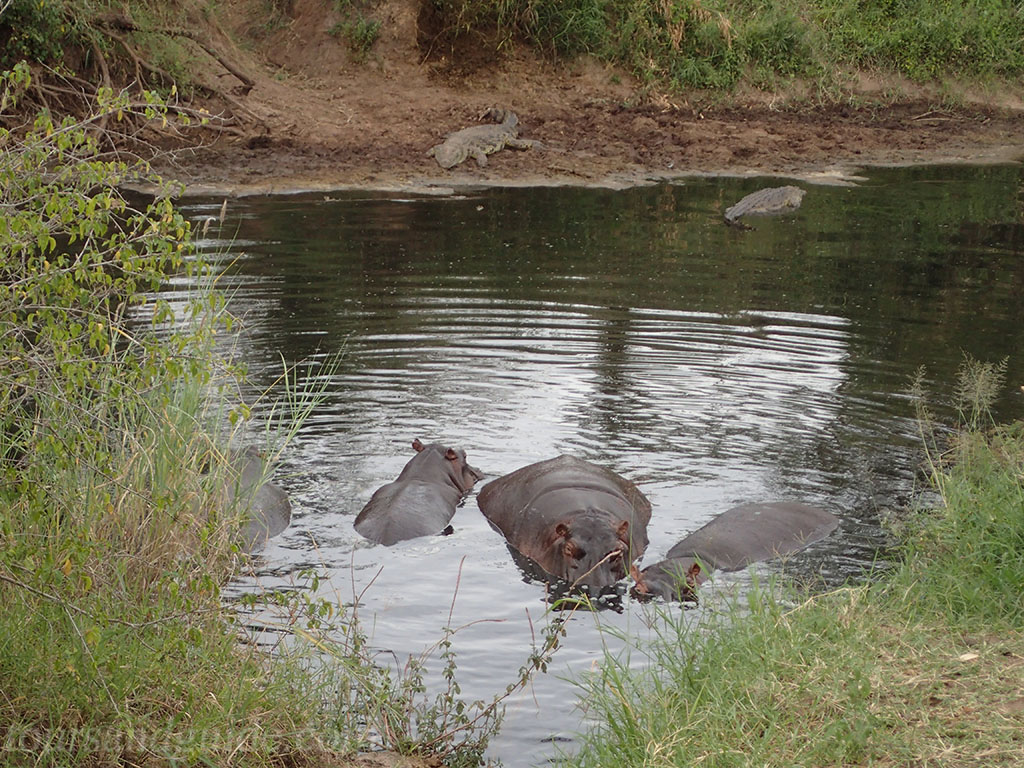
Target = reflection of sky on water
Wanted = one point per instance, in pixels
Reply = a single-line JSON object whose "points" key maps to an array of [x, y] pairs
{"points": [[710, 368]]}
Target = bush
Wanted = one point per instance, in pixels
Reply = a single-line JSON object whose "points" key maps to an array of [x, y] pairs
{"points": [[113, 538], [34, 30]]}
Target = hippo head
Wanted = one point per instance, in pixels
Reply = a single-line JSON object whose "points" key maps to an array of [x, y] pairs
{"points": [[587, 551], [462, 475], [674, 579]]}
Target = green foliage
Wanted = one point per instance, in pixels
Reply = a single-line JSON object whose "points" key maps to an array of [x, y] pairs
{"points": [[717, 43], [38, 30], [360, 31], [77, 261], [115, 534], [740, 682], [680, 44], [966, 559], [925, 40], [567, 26], [776, 42]]}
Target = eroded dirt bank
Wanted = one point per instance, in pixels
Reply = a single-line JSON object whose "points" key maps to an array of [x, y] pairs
{"points": [[588, 142], [316, 119]]}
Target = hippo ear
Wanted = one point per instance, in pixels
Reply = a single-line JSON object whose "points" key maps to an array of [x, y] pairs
{"points": [[417, 445], [694, 576], [451, 455], [623, 531]]}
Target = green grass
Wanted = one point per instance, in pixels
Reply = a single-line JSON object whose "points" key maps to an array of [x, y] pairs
{"points": [[720, 43], [358, 30], [672, 44], [115, 535], [922, 666], [846, 678]]}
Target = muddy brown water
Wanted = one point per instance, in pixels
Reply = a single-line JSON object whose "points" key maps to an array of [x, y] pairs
{"points": [[712, 366]]}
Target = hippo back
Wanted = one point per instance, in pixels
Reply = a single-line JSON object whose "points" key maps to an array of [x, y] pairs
{"points": [[407, 509], [735, 539], [267, 508], [503, 500], [751, 533], [422, 500]]}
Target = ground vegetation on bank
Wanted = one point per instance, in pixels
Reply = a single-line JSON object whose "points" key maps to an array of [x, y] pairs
{"points": [[681, 45]]}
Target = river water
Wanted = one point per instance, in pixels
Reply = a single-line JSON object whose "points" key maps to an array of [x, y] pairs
{"points": [[710, 365]]}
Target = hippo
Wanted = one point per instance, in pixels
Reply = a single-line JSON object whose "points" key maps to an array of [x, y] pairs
{"points": [[580, 523], [765, 202], [265, 505], [732, 541], [422, 500]]}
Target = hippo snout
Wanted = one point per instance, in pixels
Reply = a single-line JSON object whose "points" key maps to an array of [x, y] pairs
{"points": [[600, 572]]}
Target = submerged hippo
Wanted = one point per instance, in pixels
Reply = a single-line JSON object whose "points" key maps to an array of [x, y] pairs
{"points": [[738, 537], [765, 202], [266, 508], [422, 500], [579, 522]]}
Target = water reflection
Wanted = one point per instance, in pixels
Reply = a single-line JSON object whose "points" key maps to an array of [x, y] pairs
{"points": [[710, 366]]}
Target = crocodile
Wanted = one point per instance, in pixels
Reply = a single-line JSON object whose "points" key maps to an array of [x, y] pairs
{"points": [[478, 141], [768, 201]]}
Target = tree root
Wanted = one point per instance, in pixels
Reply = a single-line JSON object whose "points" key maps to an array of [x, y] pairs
{"points": [[132, 128], [117, 21]]}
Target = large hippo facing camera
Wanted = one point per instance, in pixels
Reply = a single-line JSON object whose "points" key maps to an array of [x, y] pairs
{"points": [[579, 522], [732, 541], [422, 500]]}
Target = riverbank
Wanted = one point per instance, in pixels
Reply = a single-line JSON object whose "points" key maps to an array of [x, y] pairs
{"points": [[593, 144], [313, 95], [370, 129], [313, 120]]}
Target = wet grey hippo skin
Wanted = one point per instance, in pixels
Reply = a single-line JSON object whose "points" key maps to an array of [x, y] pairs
{"points": [[268, 511], [738, 537], [567, 515], [422, 500], [765, 202]]}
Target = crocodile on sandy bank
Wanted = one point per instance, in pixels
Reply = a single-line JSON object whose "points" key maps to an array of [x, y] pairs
{"points": [[765, 202], [478, 141]]}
